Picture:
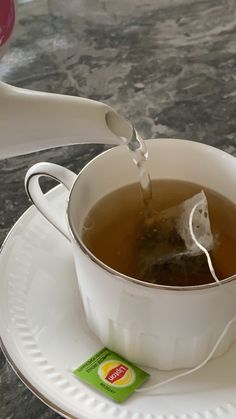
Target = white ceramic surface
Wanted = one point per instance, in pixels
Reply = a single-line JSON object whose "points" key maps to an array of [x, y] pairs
{"points": [[45, 336], [155, 326], [66, 120]]}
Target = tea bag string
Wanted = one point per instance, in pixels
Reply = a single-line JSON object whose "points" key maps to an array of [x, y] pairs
{"points": [[223, 333], [199, 245], [192, 370]]}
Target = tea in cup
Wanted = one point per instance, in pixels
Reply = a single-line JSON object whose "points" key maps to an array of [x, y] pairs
{"points": [[157, 320]]}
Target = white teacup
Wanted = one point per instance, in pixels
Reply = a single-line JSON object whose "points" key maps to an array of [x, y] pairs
{"points": [[152, 325]]}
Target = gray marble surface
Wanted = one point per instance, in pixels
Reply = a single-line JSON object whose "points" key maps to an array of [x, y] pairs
{"points": [[168, 65]]}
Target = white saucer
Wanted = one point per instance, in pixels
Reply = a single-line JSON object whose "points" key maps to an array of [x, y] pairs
{"points": [[45, 337]]}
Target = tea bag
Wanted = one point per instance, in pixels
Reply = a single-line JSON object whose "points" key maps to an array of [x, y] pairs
{"points": [[166, 252], [153, 387]]}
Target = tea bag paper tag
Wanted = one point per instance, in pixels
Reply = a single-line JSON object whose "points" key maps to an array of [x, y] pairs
{"points": [[200, 223], [111, 374]]}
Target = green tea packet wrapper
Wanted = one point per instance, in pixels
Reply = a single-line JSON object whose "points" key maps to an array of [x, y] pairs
{"points": [[111, 374]]}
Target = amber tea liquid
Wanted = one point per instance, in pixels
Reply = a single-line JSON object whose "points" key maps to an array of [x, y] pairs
{"points": [[116, 221]]}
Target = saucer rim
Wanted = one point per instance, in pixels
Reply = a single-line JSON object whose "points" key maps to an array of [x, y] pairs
{"points": [[227, 408], [5, 352], [31, 387]]}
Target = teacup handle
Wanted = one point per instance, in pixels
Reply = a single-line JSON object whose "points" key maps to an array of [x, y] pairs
{"points": [[39, 199]]}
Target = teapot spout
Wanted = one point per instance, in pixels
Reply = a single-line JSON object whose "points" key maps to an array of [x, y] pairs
{"points": [[32, 121]]}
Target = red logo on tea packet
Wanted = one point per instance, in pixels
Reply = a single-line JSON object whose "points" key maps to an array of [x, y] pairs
{"points": [[116, 373]]}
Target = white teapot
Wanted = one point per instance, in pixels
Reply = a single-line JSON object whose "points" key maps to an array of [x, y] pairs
{"points": [[31, 121]]}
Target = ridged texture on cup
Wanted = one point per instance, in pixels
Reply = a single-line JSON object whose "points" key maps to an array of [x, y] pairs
{"points": [[149, 350]]}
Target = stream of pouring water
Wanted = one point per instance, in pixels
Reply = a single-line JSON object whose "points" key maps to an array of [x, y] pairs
{"points": [[138, 151], [139, 154]]}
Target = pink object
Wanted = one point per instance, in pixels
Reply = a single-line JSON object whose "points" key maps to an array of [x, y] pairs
{"points": [[7, 20]]}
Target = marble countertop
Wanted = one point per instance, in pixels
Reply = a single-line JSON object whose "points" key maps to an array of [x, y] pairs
{"points": [[169, 66]]}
